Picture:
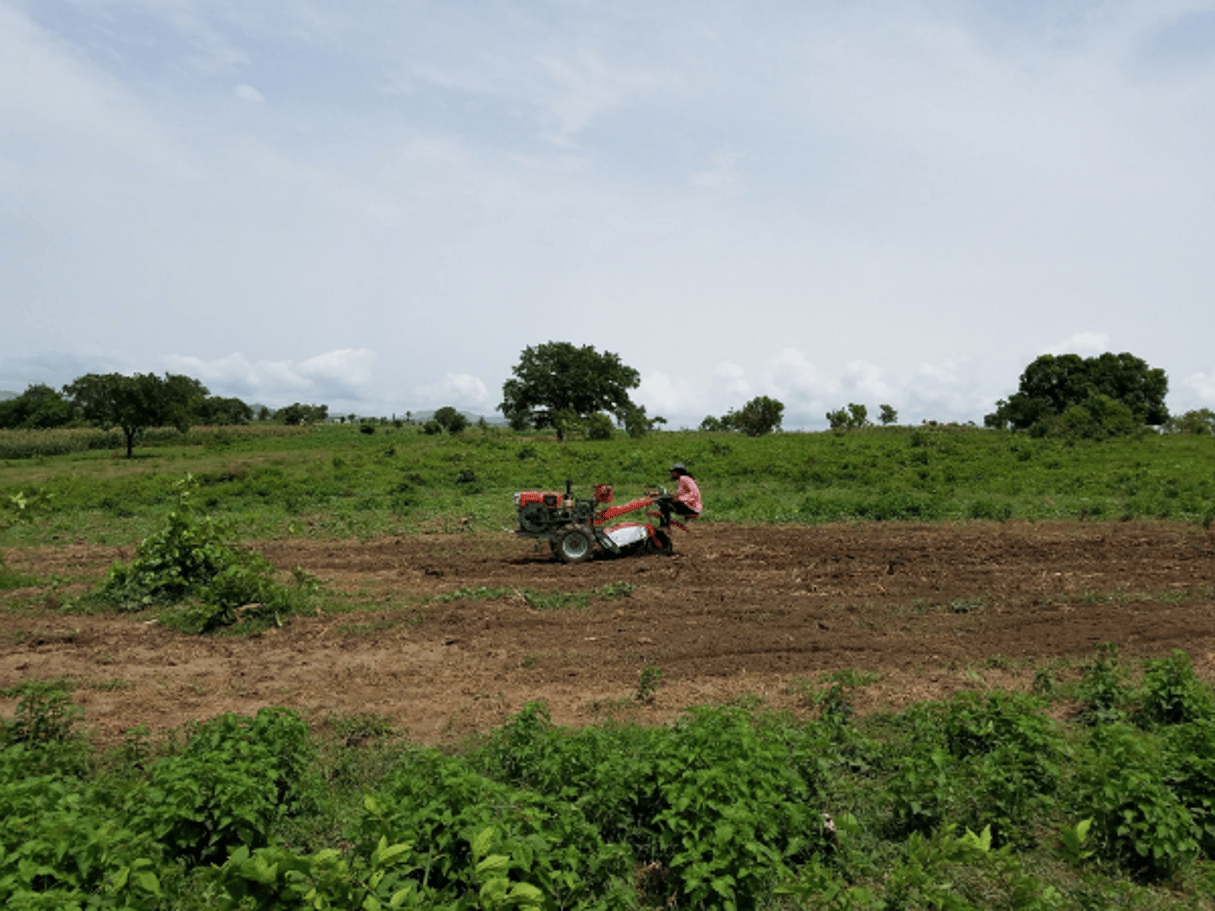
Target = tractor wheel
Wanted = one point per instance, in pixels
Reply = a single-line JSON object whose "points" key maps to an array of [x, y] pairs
{"points": [[663, 545], [534, 518], [574, 545]]}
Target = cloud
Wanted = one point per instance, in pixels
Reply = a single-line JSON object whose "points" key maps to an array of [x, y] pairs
{"points": [[732, 379], [662, 394], [249, 93], [1083, 343], [1203, 386], [462, 391], [341, 375]]}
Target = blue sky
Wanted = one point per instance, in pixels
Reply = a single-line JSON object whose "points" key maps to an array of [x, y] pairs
{"points": [[378, 205]]}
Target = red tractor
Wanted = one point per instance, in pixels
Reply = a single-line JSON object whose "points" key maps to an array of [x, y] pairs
{"points": [[577, 527]]}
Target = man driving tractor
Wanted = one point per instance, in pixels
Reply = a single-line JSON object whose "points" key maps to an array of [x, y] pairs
{"points": [[686, 499]]}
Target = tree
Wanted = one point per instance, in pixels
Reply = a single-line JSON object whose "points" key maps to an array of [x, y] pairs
{"points": [[599, 426], [637, 424], [38, 408], [450, 420], [557, 381], [855, 416], [296, 414], [887, 415], [218, 411], [1199, 421], [759, 416], [135, 403], [1053, 384]]}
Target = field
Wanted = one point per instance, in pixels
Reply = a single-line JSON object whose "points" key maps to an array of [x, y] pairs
{"points": [[464, 636], [922, 631]]}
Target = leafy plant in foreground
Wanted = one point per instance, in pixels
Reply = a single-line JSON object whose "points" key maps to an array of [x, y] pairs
{"points": [[1103, 688], [1172, 694], [233, 781], [444, 806], [190, 558], [1138, 821], [735, 814]]}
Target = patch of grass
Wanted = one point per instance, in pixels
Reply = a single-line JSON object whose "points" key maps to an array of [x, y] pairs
{"points": [[331, 480], [539, 600]]}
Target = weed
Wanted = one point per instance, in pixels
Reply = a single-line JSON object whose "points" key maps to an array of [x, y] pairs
{"points": [[647, 684]]}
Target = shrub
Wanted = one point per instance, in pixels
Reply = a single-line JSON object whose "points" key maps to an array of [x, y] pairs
{"points": [[190, 558], [734, 815], [1172, 694], [233, 781], [445, 806], [1138, 821]]}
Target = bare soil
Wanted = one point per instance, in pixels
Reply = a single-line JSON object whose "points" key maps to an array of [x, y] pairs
{"points": [[737, 613]]}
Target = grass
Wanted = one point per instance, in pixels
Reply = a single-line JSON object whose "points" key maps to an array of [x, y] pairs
{"points": [[332, 481]]}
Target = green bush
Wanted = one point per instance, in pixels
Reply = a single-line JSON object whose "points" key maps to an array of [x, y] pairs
{"points": [[443, 806], [235, 779], [191, 559], [1172, 694], [1138, 821]]}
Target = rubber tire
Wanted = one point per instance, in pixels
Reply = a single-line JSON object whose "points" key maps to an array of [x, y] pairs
{"points": [[574, 545], [534, 518], [668, 547]]}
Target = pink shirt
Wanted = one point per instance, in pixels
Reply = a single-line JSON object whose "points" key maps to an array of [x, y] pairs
{"points": [[689, 494]]}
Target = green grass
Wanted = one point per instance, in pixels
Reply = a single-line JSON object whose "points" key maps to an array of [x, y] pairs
{"points": [[332, 481]]}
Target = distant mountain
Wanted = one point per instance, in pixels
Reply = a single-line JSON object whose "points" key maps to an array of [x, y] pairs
{"points": [[5, 395]]}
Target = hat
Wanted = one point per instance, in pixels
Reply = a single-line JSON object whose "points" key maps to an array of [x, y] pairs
{"points": [[678, 466]]}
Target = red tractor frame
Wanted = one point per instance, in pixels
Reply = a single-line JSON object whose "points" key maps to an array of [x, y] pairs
{"points": [[578, 528]]}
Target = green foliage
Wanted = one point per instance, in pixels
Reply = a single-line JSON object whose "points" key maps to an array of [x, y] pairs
{"points": [[61, 846], [38, 408], [557, 380], [45, 716], [757, 418], [648, 683], [994, 760], [1172, 694], [854, 417], [296, 414], [1198, 422], [1097, 397], [733, 812], [235, 779], [637, 423], [599, 426], [1138, 821], [1104, 688], [330, 480], [450, 420], [728, 807], [223, 412], [135, 403], [190, 558], [274, 878], [547, 844]]}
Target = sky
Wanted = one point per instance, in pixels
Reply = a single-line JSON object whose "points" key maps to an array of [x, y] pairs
{"points": [[378, 204]]}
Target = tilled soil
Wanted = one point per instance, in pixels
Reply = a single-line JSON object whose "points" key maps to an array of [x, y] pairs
{"points": [[737, 613]]}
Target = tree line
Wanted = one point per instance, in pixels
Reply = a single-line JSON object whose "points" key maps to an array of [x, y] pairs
{"points": [[135, 403], [580, 391]]}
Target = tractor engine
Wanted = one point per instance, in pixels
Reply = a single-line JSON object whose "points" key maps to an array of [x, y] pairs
{"points": [[543, 513]]}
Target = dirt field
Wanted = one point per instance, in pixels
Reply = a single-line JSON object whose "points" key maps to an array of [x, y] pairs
{"points": [[931, 609]]}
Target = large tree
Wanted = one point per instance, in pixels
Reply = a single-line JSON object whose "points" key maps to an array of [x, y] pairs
{"points": [[137, 402], [556, 380], [38, 408], [1054, 384]]}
